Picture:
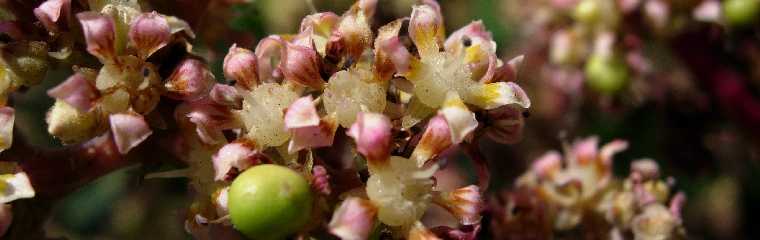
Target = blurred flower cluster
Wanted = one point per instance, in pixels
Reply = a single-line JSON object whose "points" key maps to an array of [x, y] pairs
{"points": [[578, 193]]}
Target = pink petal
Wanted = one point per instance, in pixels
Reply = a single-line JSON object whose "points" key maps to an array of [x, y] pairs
{"points": [[129, 130], [585, 151], [476, 33], [464, 203], [149, 32], [426, 28], [301, 113], [390, 55], [77, 91], [267, 51], [372, 133], [435, 139], [236, 155], [353, 219], [50, 12], [99, 33], [321, 135], [322, 23], [547, 165]]}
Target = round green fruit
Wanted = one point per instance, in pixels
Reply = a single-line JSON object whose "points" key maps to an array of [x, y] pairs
{"points": [[740, 12], [606, 74], [269, 202]]}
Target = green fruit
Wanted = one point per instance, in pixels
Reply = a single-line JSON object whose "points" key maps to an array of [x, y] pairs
{"points": [[269, 202], [740, 12], [606, 74]]}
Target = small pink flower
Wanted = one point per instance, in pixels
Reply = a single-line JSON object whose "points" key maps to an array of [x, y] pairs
{"points": [[77, 91], [129, 130], [99, 33], [435, 139], [372, 133], [236, 155], [353, 219], [240, 65], [149, 32], [301, 65], [50, 11], [190, 80], [464, 203], [7, 117]]}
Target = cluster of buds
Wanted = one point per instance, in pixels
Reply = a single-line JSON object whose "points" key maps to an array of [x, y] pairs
{"points": [[334, 101], [581, 193], [127, 86]]}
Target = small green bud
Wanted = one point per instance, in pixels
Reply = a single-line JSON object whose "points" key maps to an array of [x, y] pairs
{"points": [[606, 74], [269, 202]]}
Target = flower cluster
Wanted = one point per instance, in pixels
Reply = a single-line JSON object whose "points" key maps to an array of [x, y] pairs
{"points": [[335, 99], [579, 192]]}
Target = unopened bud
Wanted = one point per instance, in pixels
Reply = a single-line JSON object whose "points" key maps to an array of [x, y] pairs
{"points": [[191, 80], [240, 65]]}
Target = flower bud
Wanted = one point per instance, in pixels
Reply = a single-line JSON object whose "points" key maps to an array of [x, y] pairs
{"points": [[354, 32], [301, 65], [77, 91], [301, 113], [353, 219], [99, 33], [240, 65], [129, 130], [426, 29], [237, 155], [7, 117], [69, 124], [190, 80], [50, 11], [320, 180], [436, 139], [226, 95], [464, 203], [372, 133], [15, 186], [149, 32], [390, 55]]}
